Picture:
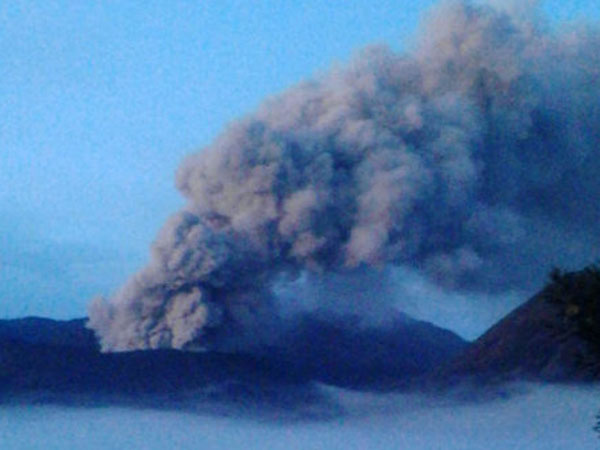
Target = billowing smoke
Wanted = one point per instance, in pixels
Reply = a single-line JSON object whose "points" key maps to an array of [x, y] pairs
{"points": [[473, 159]]}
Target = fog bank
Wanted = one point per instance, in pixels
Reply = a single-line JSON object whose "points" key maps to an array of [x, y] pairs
{"points": [[546, 417]]}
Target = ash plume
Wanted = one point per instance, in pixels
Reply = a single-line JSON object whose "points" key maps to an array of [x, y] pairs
{"points": [[473, 159]]}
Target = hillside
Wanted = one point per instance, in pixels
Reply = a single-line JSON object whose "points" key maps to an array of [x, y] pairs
{"points": [[552, 337], [38, 330], [342, 353], [62, 357]]}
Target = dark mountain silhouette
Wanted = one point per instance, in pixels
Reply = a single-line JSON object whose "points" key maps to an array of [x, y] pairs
{"points": [[345, 353], [552, 337], [212, 383], [37, 330], [47, 358]]}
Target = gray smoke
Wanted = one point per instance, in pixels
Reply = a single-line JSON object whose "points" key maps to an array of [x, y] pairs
{"points": [[473, 159]]}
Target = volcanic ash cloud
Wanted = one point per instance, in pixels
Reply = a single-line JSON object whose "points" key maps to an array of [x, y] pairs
{"points": [[472, 159]]}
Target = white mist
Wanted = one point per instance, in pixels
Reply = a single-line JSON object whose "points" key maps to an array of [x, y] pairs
{"points": [[548, 418]]}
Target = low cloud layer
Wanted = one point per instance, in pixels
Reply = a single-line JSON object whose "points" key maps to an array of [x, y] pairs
{"points": [[471, 159], [547, 418]]}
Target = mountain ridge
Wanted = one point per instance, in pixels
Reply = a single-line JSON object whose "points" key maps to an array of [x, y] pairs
{"points": [[552, 337], [63, 356]]}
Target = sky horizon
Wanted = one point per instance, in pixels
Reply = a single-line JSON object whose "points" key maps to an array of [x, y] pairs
{"points": [[102, 101]]}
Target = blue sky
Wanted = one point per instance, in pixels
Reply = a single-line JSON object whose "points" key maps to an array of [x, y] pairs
{"points": [[101, 100]]}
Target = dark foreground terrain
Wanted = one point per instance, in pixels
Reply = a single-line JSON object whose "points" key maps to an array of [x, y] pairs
{"points": [[553, 337], [549, 338], [43, 360]]}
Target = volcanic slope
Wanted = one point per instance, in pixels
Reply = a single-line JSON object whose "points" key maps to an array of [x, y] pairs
{"points": [[42, 355], [552, 337]]}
